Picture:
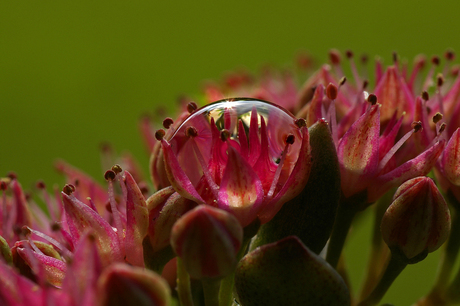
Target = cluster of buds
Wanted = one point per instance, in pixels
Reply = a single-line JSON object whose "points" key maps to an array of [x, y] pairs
{"points": [[253, 200]]}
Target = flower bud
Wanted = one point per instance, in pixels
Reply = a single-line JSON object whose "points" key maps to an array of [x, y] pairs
{"points": [[207, 239], [418, 220], [288, 273], [121, 284]]}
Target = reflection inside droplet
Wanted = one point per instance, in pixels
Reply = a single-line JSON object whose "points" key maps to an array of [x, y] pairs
{"points": [[256, 129]]}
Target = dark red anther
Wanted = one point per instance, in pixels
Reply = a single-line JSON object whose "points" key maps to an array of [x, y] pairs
{"points": [[300, 122], [449, 55], [116, 168], [425, 96], [68, 189], [442, 127], [372, 99], [437, 117], [435, 60], [417, 126], [3, 184], [290, 139], [55, 227], [191, 107], [365, 84], [167, 122], [12, 175], [349, 54], [191, 132], [41, 185], [331, 91], [224, 135], [440, 79], [334, 56], [110, 175], [159, 134]]}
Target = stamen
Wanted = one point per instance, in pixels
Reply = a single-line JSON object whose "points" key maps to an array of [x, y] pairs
{"points": [[435, 60], [300, 122], [110, 175], [167, 122], [117, 169], [224, 135], [191, 132], [331, 91], [440, 81], [372, 99], [68, 189], [437, 117], [449, 55], [334, 56], [395, 58], [442, 128], [12, 175], [290, 139], [416, 127], [428, 81], [365, 84], [425, 96], [191, 107], [66, 252], [160, 134]]}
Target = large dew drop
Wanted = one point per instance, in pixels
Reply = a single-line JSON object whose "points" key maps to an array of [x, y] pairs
{"points": [[239, 121]]}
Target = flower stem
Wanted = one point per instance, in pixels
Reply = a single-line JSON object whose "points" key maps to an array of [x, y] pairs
{"points": [[379, 250], [211, 291], [343, 219], [394, 268], [183, 284]]}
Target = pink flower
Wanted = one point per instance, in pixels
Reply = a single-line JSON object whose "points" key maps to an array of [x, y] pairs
{"points": [[245, 156]]}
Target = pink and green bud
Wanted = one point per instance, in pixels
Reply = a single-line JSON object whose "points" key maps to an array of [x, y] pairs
{"points": [[418, 220], [288, 273], [121, 284], [207, 239]]}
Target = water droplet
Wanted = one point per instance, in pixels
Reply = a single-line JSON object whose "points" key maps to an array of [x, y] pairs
{"points": [[226, 114]]}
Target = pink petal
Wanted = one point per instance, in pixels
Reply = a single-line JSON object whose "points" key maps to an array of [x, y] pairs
{"points": [[137, 222], [358, 152], [294, 184], [81, 218], [241, 191], [450, 159], [177, 176], [54, 269]]}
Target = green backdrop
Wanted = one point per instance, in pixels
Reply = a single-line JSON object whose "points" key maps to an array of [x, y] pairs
{"points": [[76, 73]]}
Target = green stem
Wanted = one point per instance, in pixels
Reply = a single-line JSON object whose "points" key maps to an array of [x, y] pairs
{"points": [[394, 268], [379, 250], [211, 291], [343, 219], [226, 285], [183, 285]]}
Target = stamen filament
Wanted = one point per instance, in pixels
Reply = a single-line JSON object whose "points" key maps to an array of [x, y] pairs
{"points": [[393, 150]]}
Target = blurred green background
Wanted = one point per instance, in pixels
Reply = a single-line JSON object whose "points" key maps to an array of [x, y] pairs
{"points": [[76, 73]]}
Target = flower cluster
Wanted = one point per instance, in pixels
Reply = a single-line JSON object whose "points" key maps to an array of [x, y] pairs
{"points": [[253, 200]]}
